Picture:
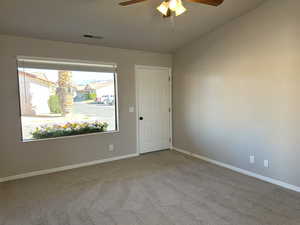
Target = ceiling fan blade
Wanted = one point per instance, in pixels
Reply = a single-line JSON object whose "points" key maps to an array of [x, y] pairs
{"points": [[131, 2], [209, 2]]}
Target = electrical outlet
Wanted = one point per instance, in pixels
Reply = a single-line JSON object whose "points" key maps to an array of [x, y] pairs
{"points": [[111, 147], [266, 163], [252, 159]]}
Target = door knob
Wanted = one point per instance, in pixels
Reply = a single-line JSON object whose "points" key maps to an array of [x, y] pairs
{"points": [[141, 118]]}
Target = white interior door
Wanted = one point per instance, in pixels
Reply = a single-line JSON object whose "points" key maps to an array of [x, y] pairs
{"points": [[153, 108]]}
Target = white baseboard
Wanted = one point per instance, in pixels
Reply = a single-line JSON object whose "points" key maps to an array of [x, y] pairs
{"points": [[242, 171], [63, 168]]}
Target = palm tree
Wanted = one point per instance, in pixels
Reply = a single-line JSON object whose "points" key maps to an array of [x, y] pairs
{"points": [[65, 91]]}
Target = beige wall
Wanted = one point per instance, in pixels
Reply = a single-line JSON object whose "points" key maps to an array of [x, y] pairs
{"points": [[17, 157], [237, 92]]}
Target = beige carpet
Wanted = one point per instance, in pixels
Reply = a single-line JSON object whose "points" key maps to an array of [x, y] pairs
{"points": [[163, 188]]}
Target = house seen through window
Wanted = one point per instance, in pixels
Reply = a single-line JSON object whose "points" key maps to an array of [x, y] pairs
{"points": [[63, 99]]}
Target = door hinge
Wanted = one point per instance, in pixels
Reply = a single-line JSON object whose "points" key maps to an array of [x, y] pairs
{"points": [[169, 78], [170, 140], [169, 109]]}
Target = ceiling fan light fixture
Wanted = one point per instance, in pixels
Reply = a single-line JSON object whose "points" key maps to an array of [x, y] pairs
{"points": [[163, 8], [180, 9], [170, 7], [173, 4]]}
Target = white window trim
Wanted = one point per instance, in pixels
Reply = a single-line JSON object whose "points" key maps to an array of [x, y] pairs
{"points": [[72, 62]]}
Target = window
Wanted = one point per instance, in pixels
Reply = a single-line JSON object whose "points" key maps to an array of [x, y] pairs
{"points": [[64, 98]]}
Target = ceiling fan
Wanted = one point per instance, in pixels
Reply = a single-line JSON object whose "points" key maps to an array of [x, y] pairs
{"points": [[167, 7]]}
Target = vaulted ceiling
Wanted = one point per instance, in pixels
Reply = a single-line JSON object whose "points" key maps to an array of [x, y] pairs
{"points": [[139, 26]]}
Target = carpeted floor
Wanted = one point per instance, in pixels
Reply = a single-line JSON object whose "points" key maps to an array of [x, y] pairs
{"points": [[163, 188]]}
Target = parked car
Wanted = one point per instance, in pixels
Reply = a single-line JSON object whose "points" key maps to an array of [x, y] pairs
{"points": [[107, 100]]}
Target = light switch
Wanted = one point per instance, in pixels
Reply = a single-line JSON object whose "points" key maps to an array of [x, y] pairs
{"points": [[131, 109], [266, 163]]}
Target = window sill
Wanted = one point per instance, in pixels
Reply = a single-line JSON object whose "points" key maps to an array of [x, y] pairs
{"points": [[71, 136]]}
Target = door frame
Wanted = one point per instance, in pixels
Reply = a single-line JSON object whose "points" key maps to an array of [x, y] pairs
{"points": [[136, 79]]}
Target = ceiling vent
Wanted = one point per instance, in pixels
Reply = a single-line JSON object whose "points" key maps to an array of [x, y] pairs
{"points": [[90, 36]]}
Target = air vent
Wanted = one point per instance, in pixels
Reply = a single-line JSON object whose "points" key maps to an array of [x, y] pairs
{"points": [[90, 36]]}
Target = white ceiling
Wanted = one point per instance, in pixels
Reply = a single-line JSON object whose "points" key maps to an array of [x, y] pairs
{"points": [[138, 26]]}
